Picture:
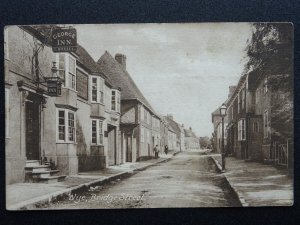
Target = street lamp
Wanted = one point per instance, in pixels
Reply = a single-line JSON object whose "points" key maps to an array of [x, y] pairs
{"points": [[223, 110]]}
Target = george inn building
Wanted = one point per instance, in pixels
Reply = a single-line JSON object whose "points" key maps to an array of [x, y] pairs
{"points": [[100, 118], [77, 131]]}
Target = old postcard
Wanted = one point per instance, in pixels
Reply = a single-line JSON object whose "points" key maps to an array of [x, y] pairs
{"points": [[149, 115]]}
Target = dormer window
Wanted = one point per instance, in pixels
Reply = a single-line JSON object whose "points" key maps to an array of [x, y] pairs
{"points": [[97, 90]]}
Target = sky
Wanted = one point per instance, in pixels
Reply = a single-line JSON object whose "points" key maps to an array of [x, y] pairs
{"points": [[182, 69]]}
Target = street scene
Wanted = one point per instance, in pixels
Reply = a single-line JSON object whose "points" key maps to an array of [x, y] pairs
{"points": [[104, 116]]}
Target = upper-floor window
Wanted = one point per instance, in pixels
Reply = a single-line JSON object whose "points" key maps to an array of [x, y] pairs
{"points": [[66, 130], [266, 123], [239, 107], [142, 113], [146, 116], [97, 89], [242, 130], [97, 131], [67, 70], [115, 101], [142, 134], [243, 98], [255, 127], [149, 118]]}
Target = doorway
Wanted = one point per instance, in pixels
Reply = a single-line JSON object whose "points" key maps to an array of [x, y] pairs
{"points": [[112, 153], [32, 124]]}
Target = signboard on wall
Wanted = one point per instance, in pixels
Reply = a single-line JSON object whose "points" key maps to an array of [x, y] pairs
{"points": [[82, 81], [64, 40]]}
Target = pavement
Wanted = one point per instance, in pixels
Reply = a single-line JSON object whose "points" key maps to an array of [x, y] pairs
{"points": [[257, 184], [190, 179], [31, 195]]}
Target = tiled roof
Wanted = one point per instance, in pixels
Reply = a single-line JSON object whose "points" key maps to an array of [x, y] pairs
{"points": [[88, 62], [120, 77], [174, 125], [86, 59]]}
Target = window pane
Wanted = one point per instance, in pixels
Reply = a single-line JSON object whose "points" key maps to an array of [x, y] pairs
{"points": [[94, 132], [94, 89], [61, 125], [61, 66], [72, 65], [71, 124]]}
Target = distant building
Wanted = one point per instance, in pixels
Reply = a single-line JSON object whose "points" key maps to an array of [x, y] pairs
{"points": [[179, 131], [140, 124], [191, 140]]}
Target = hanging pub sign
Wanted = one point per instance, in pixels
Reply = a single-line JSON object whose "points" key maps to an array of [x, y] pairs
{"points": [[64, 40], [54, 87]]}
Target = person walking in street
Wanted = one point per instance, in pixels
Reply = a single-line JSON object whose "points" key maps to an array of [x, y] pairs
{"points": [[166, 149], [156, 151]]}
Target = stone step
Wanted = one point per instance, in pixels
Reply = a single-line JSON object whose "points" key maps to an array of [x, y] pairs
{"points": [[38, 168], [33, 162], [43, 174], [51, 179]]}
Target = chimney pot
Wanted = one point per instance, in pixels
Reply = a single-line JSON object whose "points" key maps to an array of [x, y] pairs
{"points": [[120, 58]]}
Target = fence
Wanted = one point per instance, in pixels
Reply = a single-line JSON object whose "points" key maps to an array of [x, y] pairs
{"points": [[278, 153]]}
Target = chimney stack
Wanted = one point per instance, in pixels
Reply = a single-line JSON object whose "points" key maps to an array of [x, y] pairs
{"points": [[120, 58], [170, 116]]}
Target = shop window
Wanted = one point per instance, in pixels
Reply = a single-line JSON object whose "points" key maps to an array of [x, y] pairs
{"points": [[66, 129], [97, 132]]}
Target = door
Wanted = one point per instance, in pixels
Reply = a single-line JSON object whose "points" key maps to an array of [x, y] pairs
{"points": [[32, 114], [111, 145], [128, 149]]}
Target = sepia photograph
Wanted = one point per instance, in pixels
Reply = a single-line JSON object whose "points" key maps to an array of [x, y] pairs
{"points": [[149, 115]]}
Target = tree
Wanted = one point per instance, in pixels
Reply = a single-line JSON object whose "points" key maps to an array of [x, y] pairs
{"points": [[204, 142], [270, 53]]}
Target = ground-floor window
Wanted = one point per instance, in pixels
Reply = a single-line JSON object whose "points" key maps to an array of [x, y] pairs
{"points": [[97, 132], [242, 130], [66, 128]]}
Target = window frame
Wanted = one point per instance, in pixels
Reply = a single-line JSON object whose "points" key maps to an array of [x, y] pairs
{"points": [[99, 89], [67, 72], [66, 126], [115, 100], [242, 130], [99, 132]]}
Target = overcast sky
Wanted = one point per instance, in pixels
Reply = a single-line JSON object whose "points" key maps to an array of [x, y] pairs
{"points": [[182, 69]]}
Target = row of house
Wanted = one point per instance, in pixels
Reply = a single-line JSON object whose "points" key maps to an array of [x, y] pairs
{"points": [[258, 125], [100, 118]]}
